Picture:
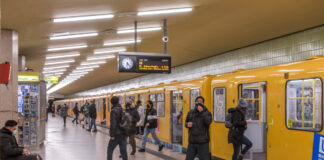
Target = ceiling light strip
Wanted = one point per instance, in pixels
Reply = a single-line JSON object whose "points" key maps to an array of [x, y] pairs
{"points": [[58, 67], [59, 62], [67, 48], [121, 42], [103, 51], [92, 63], [73, 36], [165, 11], [100, 58], [83, 18], [62, 56], [139, 30]]}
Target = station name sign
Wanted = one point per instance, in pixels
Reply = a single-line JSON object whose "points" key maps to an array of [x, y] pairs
{"points": [[137, 62]]}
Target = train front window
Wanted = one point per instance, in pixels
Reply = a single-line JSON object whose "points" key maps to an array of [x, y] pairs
{"points": [[303, 104]]}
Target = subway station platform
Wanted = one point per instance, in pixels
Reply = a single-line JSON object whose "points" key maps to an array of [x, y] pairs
{"points": [[75, 143]]}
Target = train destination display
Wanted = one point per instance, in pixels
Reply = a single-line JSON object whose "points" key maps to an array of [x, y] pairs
{"points": [[137, 62]]}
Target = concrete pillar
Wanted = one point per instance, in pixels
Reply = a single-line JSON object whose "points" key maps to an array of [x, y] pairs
{"points": [[9, 93]]}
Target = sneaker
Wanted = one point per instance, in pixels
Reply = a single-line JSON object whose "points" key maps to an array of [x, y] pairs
{"points": [[88, 130], [120, 156], [132, 153], [141, 150], [94, 131], [161, 147], [240, 157]]}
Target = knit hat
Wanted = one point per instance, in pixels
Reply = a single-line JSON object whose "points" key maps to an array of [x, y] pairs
{"points": [[243, 103], [114, 100]]}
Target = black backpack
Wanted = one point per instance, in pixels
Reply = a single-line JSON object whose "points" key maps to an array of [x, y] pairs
{"points": [[228, 120], [126, 122]]}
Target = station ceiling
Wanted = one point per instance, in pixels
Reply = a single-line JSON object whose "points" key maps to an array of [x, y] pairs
{"points": [[213, 27]]}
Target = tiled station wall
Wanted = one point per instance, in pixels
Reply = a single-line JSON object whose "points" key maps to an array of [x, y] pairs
{"points": [[290, 48]]}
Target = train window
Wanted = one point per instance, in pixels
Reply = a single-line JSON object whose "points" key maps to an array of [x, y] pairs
{"points": [[141, 97], [304, 104], [120, 100], [160, 104], [219, 104], [194, 93], [108, 105], [98, 105]]}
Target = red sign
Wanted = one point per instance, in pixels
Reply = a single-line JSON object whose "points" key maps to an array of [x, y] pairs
{"points": [[4, 73]]}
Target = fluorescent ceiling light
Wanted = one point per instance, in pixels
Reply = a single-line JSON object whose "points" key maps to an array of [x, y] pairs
{"points": [[92, 63], [80, 71], [60, 33], [53, 74], [69, 36], [67, 48], [83, 18], [139, 30], [62, 55], [55, 71], [59, 62], [100, 58], [121, 42], [165, 11], [112, 50], [76, 74], [56, 67], [88, 67]]}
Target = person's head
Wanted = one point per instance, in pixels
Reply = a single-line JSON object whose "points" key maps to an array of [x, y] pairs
{"points": [[200, 99], [64, 104], [92, 101], [76, 104], [149, 104], [139, 102], [128, 105], [242, 105], [11, 125], [114, 100]]}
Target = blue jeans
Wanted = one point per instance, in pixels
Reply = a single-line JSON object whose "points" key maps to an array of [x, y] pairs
{"points": [[93, 123], [202, 150], [146, 132], [237, 147], [121, 141]]}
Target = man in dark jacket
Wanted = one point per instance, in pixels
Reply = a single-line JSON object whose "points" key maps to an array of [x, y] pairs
{"points": [[93, 116], [236, 132], [117, 135], [9, 149], [76, 113], [150, 122], [64, 113], [130, 108], [198, 121]]}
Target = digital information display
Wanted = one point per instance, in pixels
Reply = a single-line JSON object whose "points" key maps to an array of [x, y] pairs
{"points": [[137, 62]]}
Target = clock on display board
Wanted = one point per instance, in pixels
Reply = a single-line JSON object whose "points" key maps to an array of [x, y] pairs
{"points": [[127, 63]]}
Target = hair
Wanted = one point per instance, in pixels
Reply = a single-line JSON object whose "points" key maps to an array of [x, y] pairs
{"points": [[150, 102], [200, 97], [139, 102], [11, 123]]}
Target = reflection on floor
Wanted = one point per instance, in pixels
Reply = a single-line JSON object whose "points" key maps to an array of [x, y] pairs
{"points": [[75, 143]]}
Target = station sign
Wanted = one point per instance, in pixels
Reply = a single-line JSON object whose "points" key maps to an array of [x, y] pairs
{"points": [[138, 62], [52, 79], [28, 77]]}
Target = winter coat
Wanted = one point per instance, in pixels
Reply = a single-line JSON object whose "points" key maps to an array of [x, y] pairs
{"points": [[115, 119], [235, 134], [64, 111], [9, 149], [141, 113], [151, 118], [76, 111], [135, 118], [93, 111], [199, 132]]}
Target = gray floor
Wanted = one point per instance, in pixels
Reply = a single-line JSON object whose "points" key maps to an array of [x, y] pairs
{"points": [[74, 143]]}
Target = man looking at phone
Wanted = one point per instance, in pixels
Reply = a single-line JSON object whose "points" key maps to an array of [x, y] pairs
{"points": [[198, 121], [236, 132]]}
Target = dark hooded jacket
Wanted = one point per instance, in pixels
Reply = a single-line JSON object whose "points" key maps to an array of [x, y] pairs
{"points": [[199, 132], [151, 118], [93, 111], [135, 118], [9, 149], [115, 119], [239, 125]]}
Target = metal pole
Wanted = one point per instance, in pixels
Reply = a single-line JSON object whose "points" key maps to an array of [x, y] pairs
{"points": [[135, 36], [165, 35]]}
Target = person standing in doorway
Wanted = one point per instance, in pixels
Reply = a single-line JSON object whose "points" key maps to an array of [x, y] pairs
{"points": [[93, 116], [140, 123], [64, 113], [198, 121], [76, 113], [236, 132], [130, 108], [150, 122], [117, 135]]}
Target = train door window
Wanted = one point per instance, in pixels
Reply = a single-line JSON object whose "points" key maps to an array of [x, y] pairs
{"points": [[219, 104], [120, 100], [176, 116], [304, 104], [108, 105], [141, 97], [194, 93], [98, 105], [160, 104]]}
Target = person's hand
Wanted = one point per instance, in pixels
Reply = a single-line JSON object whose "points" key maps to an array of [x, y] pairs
{"points": [[248, 121], [112, 138], [200, 108], [26, 152], [147, 124], [189, 124]]}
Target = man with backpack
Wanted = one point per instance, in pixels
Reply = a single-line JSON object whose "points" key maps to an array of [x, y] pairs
{"points": [[85, 112], [198, 121], [150, 122], [93, 116], [117, 134], [76, 113], [235, 121], [131, 110]]}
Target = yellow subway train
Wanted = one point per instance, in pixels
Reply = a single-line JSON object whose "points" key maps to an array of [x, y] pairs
{"points": [[285, 106]]}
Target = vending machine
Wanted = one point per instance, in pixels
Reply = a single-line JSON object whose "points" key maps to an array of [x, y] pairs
{"points": [[31, 109]]}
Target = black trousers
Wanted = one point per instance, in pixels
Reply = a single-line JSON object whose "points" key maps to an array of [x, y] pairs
{"points": [[202, 150], [64, 120]]}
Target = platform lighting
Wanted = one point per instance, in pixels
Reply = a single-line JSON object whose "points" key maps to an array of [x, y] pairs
{"points": [[88, 67], [92, 63], [59, 62], [139, 30], [165, 11], [70, 36], [121, 42], [99, 58], [56, 67], [80, 71], [66, 48], [53, 74], [78, 74], [62, 55], [113, 50], [83, 18], [54, 71]]}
